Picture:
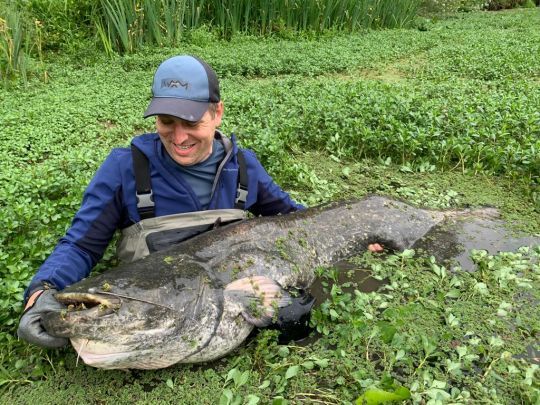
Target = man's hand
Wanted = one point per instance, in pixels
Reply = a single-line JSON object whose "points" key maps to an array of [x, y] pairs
{"points": [[30, 327], [375, 248]]}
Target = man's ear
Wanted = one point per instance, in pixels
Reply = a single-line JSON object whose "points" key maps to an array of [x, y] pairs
{"points": [[219, 113]]}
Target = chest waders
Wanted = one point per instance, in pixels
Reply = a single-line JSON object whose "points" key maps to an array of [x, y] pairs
{"points": [[153, 234]]}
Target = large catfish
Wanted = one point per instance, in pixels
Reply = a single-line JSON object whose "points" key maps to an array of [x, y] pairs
{"points": [[199, 300]]}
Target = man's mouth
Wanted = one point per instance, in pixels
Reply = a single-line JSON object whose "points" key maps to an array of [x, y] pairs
{"points": [[183, 148]]}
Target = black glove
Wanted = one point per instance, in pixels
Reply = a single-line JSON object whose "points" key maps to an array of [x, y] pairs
{"points": [[30, 327], [293, 320]]}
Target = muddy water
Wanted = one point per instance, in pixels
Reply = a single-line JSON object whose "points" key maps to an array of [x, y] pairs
{"points": [[453, 241], [350, 277], [449, 242]]}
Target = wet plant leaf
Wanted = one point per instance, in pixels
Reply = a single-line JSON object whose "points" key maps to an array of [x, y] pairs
{"points": [[292, 372], [375, 396]]}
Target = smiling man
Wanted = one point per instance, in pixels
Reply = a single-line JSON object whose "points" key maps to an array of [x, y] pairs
{"points": [[189, 143], [168, 186]]}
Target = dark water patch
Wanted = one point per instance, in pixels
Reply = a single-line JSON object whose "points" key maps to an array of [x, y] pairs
{"points": [[307, 340], [349, 277], [453, 241], [532, 354], [526, 298]]}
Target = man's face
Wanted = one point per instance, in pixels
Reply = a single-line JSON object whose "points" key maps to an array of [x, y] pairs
{"points": [[187, 142]]}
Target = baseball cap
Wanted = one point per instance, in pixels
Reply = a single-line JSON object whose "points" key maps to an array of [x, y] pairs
{"points": [[183, 87]]}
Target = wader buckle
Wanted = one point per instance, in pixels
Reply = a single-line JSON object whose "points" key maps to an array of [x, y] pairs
{"points": [[241, 195], [145, 204]]}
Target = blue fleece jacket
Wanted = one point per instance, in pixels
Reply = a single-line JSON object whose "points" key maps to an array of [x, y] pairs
{"points": [[109, 203]]}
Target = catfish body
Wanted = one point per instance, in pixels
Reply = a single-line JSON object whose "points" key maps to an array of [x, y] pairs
{"points": [[200, 299]]}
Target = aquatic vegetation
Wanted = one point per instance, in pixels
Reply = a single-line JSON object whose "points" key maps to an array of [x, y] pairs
{"points": [[437, 115]]}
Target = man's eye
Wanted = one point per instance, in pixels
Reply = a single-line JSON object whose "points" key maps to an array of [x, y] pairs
{"points": [[167, 122], [190, 124]]}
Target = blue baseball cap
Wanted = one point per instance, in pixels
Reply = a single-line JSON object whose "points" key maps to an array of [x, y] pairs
{"points": [[183, 87]]}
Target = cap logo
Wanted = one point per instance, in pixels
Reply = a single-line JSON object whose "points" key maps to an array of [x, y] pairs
{"points": [[174, 84]]}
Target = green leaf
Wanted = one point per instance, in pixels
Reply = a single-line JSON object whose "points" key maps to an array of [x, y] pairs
{"points": [[451, 320], [461, 350], [529, 374], [170, 383], [241, 379], [387, 331], [512, 369], [438, 384], [375, 396], [439, 270], [429, 346], [408, 254], [168, 259], [322, 363], [20, 364], [265, 384], [439, 395], [453, 367], [308, 365], [226, 397], [283, 351], [496, 341], [292, 372], [231, 375], [501, 313], [252, 399], [481, 288]]}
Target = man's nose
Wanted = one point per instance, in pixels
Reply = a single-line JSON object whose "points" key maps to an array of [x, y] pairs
{"points": [[180, 132]]}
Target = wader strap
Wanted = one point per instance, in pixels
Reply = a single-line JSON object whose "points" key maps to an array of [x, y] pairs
{"points": [[241, 190], [145, 198]]}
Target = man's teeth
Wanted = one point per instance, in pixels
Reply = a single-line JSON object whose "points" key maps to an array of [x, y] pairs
{"points": [[184, 147]]}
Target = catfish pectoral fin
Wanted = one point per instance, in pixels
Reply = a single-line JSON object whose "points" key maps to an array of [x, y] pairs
{"points": [[260, 297]]}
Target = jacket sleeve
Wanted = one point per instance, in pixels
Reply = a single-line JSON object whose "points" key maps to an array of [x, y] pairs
{"points": [[269, 199], [90, 233]]}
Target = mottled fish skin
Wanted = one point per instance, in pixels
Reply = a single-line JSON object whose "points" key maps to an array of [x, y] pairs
{"points": [[179, 312]]}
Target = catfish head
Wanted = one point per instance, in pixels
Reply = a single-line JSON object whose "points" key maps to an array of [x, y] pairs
{"points": [[112, 332], [184, 320]]}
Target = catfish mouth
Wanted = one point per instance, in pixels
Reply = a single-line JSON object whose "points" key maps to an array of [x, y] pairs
{"points": [[97, 354], [88, 304], [104, 355]]}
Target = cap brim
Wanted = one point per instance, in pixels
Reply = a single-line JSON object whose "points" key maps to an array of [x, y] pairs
{"points": [[184, 109]]}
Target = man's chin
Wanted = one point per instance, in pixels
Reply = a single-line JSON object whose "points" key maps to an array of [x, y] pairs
{"points": [[187, 158]]}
